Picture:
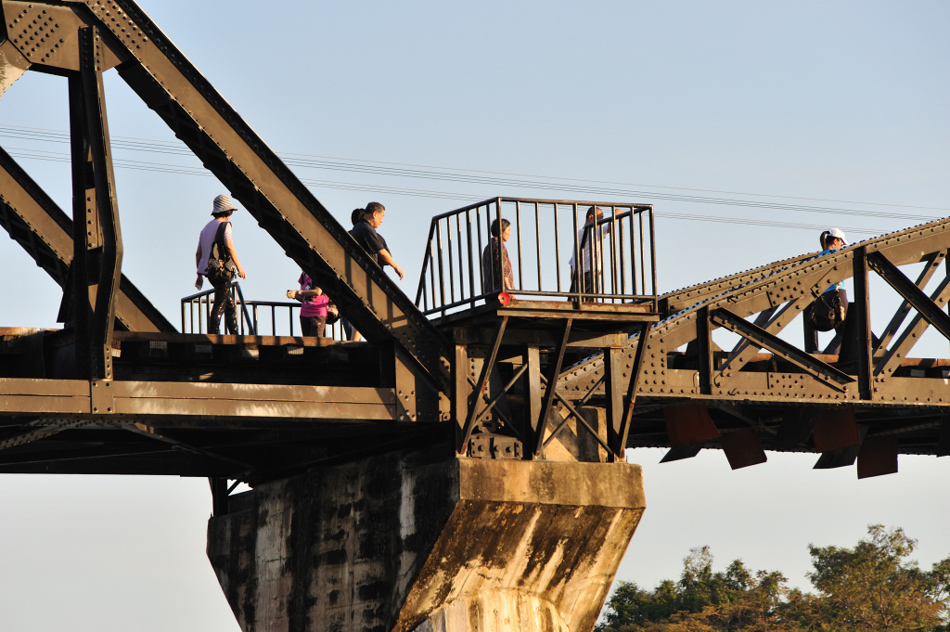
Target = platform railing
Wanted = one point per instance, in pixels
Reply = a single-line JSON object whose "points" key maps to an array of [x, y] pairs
{"points": [[265, 318], [547, 236]]}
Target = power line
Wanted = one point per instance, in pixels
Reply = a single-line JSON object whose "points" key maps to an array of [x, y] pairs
{"points": [[391, 190], [586, 187], [397, 169]]}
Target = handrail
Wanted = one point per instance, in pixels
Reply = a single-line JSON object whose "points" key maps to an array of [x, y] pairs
{"points": [[621, 263], [250, 321]]}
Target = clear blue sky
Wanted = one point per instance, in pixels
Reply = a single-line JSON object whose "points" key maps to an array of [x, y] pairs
{"points": [[837, 106]]}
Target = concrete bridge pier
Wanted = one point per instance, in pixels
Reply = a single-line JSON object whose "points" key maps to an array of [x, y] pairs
{"points": [[408, 543]]}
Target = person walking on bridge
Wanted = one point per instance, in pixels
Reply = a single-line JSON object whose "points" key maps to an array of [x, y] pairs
{"points": [[216, 258], [364, 232], [830, 310]]}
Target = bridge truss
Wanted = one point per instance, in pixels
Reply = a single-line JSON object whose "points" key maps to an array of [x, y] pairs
{"points": [[119, 391], [870, 402]]}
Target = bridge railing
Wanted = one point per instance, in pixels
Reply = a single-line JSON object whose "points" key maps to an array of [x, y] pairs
{"points": [[547, 236], [255, 318]]}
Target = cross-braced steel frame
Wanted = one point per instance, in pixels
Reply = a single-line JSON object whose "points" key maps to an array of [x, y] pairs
{"points": [[118, 390]]}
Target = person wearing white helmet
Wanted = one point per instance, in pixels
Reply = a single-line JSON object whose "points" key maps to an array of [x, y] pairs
{"points": [[829, 310], [216, 258]]}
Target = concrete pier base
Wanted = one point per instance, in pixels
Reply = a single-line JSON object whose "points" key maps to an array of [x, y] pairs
{"points": [[400, 544]]}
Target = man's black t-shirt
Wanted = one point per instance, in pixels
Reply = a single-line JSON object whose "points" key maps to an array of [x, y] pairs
{"points": [[371, 241]]}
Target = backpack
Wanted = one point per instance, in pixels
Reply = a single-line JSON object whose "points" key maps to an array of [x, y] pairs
{"points": [[218, 266], [826, 312]]}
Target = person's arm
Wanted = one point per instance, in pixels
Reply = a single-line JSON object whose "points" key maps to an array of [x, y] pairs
{"points": [[199, 281], [387, 259], [300, 295], [234, 257]]}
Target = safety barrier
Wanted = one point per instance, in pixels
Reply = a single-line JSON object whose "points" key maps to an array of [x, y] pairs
{"points": [[274, 318], [464, 265]]}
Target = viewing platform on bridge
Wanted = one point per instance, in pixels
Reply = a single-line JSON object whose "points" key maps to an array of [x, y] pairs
{"points": [[515, 259]]}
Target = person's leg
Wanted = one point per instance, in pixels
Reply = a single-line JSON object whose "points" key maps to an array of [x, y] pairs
{"points": [[843, 332], [319, 325], [589, 287], [811, 334], [349, 330], [230, 310], [221, 294], [811, 338], [306, 326]]}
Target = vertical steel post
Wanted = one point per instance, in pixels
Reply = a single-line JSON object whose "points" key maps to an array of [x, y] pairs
{"points": [[613, 254], [461, 261], [471, 257], [438, 237], [557, 248], [705, 350], [537, 239], [577, 272], [532, 381], [518, 231], [652, 258], [448, 238], [633, 248], [623, 251], [862, 324], [613, 386], [97, 238]]}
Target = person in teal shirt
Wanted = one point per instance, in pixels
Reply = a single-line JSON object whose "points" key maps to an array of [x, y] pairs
{"points": [[831, 308]]}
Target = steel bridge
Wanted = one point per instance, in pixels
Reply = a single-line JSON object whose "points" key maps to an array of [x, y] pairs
{"points": [[546, 370], [96, 391]]}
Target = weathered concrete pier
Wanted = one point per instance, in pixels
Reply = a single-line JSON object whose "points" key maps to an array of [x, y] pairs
{"points": [[402, 543]]}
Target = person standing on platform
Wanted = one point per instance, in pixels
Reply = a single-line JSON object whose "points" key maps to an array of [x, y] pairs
{"points": [[590, 240], [497, 275], [217, 259]]}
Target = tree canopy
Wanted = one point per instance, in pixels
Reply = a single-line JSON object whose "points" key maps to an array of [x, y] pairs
{"points": [[869, 588]]}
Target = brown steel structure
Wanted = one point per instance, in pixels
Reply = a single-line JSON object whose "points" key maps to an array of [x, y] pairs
{"points": [[117, 390], [869, 403]]}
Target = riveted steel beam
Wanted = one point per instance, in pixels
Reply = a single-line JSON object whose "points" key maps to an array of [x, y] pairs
{"points": [[818, 369], [897, 390], [537, 446], [44, 231], [162, 76], [930, 311], [97, 239], [465, 431]]}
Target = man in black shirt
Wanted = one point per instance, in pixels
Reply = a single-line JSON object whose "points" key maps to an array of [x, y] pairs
{"points": [[364, 232]]}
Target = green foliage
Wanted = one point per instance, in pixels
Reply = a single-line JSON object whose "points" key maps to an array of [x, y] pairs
{"points": [[872, 587]]}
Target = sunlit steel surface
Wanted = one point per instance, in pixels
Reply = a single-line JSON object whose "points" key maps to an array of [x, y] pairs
{"points": [[118, 391]]}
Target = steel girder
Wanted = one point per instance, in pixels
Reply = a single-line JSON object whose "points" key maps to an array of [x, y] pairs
{"points": [[250, 432], [44, 231], [873, 377], [44, 36]]}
